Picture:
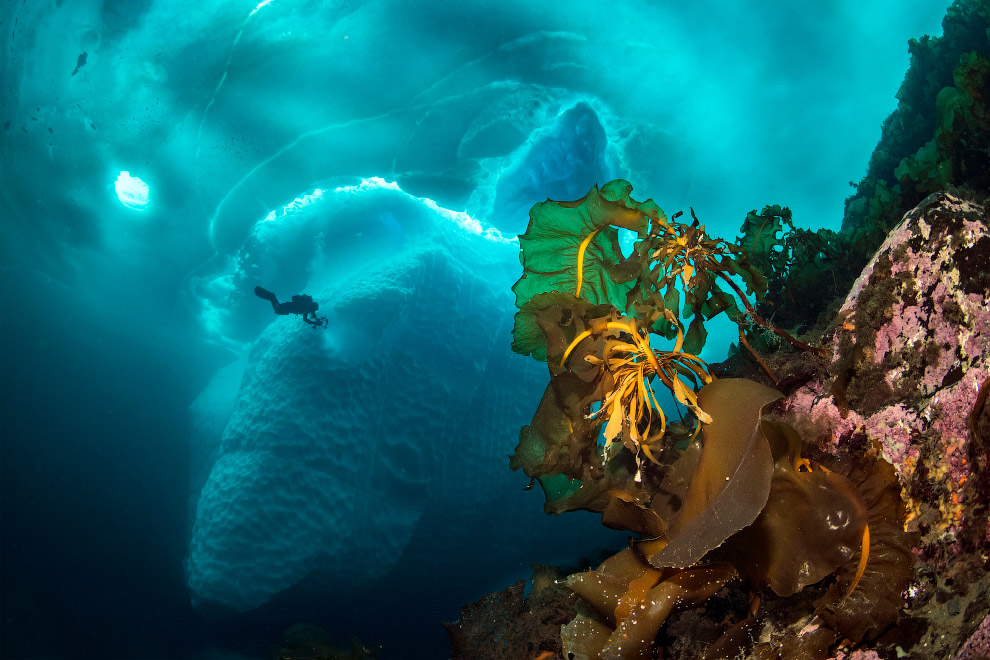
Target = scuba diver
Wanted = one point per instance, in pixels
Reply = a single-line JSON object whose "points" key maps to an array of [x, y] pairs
{"points": [[303, 304]]}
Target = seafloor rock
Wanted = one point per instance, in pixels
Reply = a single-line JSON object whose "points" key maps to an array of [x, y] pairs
{"points": [[978, 645], [909, 376], [505, 625]]}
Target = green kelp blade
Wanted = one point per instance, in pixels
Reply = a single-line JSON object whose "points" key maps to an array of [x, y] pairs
{"points": [[731, 482], [547, 322], [573, 248], [558, 488], [763, 235]]}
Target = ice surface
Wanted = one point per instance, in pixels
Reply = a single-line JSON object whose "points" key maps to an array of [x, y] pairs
{"points": [[561, 161]]}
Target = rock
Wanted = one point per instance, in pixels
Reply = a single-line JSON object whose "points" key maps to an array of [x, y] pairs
{"points": [[909, 364]]}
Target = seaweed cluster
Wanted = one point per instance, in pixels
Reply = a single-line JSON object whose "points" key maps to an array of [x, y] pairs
{"points": [[799, 264], [510, 625], [727, 490], [937, 139], [305, 641]]}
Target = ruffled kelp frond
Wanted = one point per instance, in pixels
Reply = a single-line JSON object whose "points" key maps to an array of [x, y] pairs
{"points": [[573, 248], [683, 258], [600, 418], [628, 602], [813, 523], [730, 480]]}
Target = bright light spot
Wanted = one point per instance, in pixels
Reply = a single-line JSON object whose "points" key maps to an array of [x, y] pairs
{"points": [[131, 191], [260, 5], [627, 241]]}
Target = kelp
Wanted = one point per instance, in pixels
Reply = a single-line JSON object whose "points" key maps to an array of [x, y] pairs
{"points": [[681, 259], [630, 600], [573, 248], [958, 148], [871, 569], [731, 480], [798, 264], [595, 315], [873, 605], [813, 523], [723, 491]]}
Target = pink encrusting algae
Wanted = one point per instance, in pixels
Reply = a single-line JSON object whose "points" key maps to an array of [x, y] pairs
{"points": [[978, 645], [914, 356]]}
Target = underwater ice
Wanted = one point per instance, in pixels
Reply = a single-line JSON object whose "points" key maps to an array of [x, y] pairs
{"points": [[340, 453], [384, 437]]}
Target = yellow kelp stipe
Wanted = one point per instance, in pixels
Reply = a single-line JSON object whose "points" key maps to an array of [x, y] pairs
{"points": [[580, 262], [631, 408]]}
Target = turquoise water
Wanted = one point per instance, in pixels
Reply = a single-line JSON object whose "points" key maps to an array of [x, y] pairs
{"points": [[187, 475]]}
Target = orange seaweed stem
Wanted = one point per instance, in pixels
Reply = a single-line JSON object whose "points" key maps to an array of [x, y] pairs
{"points": [[863, 557]]}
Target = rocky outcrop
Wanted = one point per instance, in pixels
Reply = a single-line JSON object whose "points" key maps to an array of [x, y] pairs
{"points": [[909, 376], [910, 368]]}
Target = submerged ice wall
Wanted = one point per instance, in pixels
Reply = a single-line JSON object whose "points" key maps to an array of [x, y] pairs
{"points": [[384, 437]]}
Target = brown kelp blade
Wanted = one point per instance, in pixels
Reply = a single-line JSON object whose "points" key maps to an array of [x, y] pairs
{"points": [[731, 483]]}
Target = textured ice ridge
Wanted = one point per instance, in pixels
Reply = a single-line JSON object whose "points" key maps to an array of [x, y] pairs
{"points": [[341, 438]]}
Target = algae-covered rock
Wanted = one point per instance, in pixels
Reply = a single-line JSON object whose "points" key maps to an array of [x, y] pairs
{"points": [[909, 363], [909, 377]]}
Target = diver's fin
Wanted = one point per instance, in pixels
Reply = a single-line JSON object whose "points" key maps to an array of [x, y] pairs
{"points": [[266, 294]]}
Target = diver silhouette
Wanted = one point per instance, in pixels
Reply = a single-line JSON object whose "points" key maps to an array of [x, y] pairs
{"points": [[302, 304]]}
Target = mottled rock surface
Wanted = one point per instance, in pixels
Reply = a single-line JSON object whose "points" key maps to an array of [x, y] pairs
{"points": [[908, 377], [908, 362]]}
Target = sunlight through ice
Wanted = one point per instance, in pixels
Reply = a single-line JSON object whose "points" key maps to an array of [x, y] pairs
{"points": [[131, 191], [260, 5]]}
